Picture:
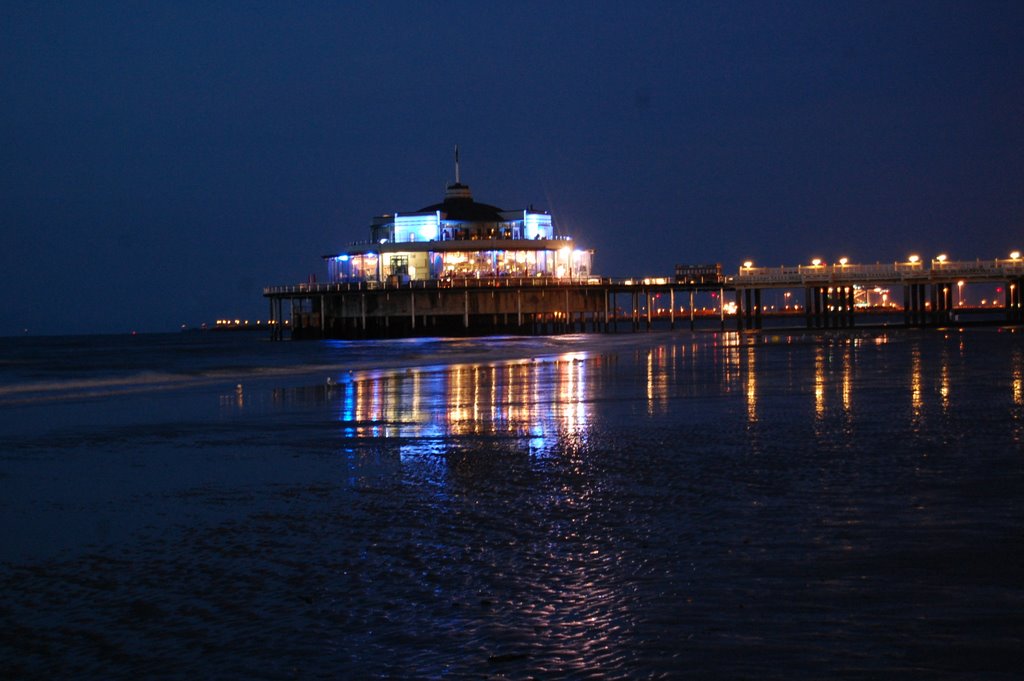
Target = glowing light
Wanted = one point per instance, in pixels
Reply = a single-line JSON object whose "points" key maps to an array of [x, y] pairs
{"points": [[417, 227], [816, 262], [537, 226], [941, 257], [843, 261], [748, 264], [1015, 255], [913, 259]]}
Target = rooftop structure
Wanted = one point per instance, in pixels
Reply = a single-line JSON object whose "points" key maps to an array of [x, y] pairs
{"points": [[460, 238]]}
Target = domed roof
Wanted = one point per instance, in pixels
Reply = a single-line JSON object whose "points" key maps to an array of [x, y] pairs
{"points": [[458, 204]]}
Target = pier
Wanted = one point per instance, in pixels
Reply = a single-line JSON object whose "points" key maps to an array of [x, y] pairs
{"points": [[928, 289], [475, 306], [552, 305]]}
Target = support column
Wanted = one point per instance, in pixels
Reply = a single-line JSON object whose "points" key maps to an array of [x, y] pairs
{"points": [[721, 307], [923, 307], [273, 329], [323, 316], [648, 299], [820, 301], [672, 309], [691, 310], [809, 306], [568, 314], [748, 304], [740, 310], [850, 306], [758, 317], [606, 294], [634, 305]]}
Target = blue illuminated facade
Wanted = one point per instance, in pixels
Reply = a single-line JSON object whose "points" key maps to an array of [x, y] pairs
{"points": [[460, 238]]}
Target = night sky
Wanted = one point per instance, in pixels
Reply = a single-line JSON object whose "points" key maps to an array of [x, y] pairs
{"points": [[162, 162]]}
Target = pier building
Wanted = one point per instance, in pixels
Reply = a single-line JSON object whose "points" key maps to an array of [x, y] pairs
{"points": [[460, 238], [457, 267]]}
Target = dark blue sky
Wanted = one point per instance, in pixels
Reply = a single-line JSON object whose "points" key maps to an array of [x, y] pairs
{"points": [[162, 162]]}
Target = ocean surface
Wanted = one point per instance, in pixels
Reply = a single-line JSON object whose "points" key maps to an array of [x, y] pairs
{"points": [[789, 505]]}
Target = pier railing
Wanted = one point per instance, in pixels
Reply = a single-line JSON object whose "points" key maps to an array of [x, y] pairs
{"points": [[455, 282], [748, 277], [916, 272]]}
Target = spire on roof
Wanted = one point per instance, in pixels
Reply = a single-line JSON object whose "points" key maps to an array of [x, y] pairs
{"points": [[457, 190]]}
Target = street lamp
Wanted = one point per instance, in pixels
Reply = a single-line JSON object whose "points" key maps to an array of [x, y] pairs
{"points": [[913, 259], [1015, 255], [843, 261], [941, 258], [816, 262], [960, 293]]}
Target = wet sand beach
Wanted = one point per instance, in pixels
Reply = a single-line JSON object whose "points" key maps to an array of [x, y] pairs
{"points": [[668, 505]]}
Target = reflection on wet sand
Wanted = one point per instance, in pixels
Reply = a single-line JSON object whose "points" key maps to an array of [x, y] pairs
{"points": [[1017, 390], [529, 404], [535, 405], [660, 363], [1017, 371], [916, 401], [847, 379], [751, 391], [819, 382]]}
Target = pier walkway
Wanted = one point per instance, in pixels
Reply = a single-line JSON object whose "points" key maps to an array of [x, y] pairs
{"points": [[928, 288]]}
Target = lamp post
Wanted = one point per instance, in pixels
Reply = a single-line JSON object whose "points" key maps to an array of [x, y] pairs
{"points": [[960, 293]]}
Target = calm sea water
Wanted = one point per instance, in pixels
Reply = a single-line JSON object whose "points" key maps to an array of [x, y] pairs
{"points": [[676, 505]]}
